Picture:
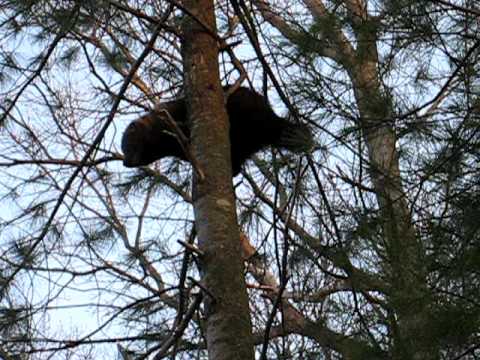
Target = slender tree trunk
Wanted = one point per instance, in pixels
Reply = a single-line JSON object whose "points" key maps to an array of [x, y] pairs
{"points": [[228, 324], [409, 298], [405, 265]]}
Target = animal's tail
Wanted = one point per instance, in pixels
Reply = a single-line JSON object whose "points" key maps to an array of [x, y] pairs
{"points": [[296, 137]]}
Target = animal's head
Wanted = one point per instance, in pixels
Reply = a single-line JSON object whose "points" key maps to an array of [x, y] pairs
{"points": [[148, 139]]}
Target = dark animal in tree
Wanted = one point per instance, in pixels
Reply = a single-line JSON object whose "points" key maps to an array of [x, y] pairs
{"points": [[253, 126]]}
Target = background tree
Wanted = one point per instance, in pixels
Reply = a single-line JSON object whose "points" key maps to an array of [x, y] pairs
{"points": [[365, 248]]}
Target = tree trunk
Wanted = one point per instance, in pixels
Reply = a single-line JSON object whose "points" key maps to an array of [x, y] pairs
{"points": [[409, 298], [405, 265], [228, 324]]}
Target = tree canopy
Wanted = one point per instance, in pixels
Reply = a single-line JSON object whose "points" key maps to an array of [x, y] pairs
{"points": [[366, 247]]}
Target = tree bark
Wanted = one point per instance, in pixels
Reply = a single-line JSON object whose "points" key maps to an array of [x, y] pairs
{"points": [[228, 324]]}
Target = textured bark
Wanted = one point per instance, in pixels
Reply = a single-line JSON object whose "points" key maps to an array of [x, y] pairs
{"points": [[229, 329]]}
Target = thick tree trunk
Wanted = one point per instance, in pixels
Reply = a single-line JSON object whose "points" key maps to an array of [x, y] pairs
{"points": [[229, 329]]}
